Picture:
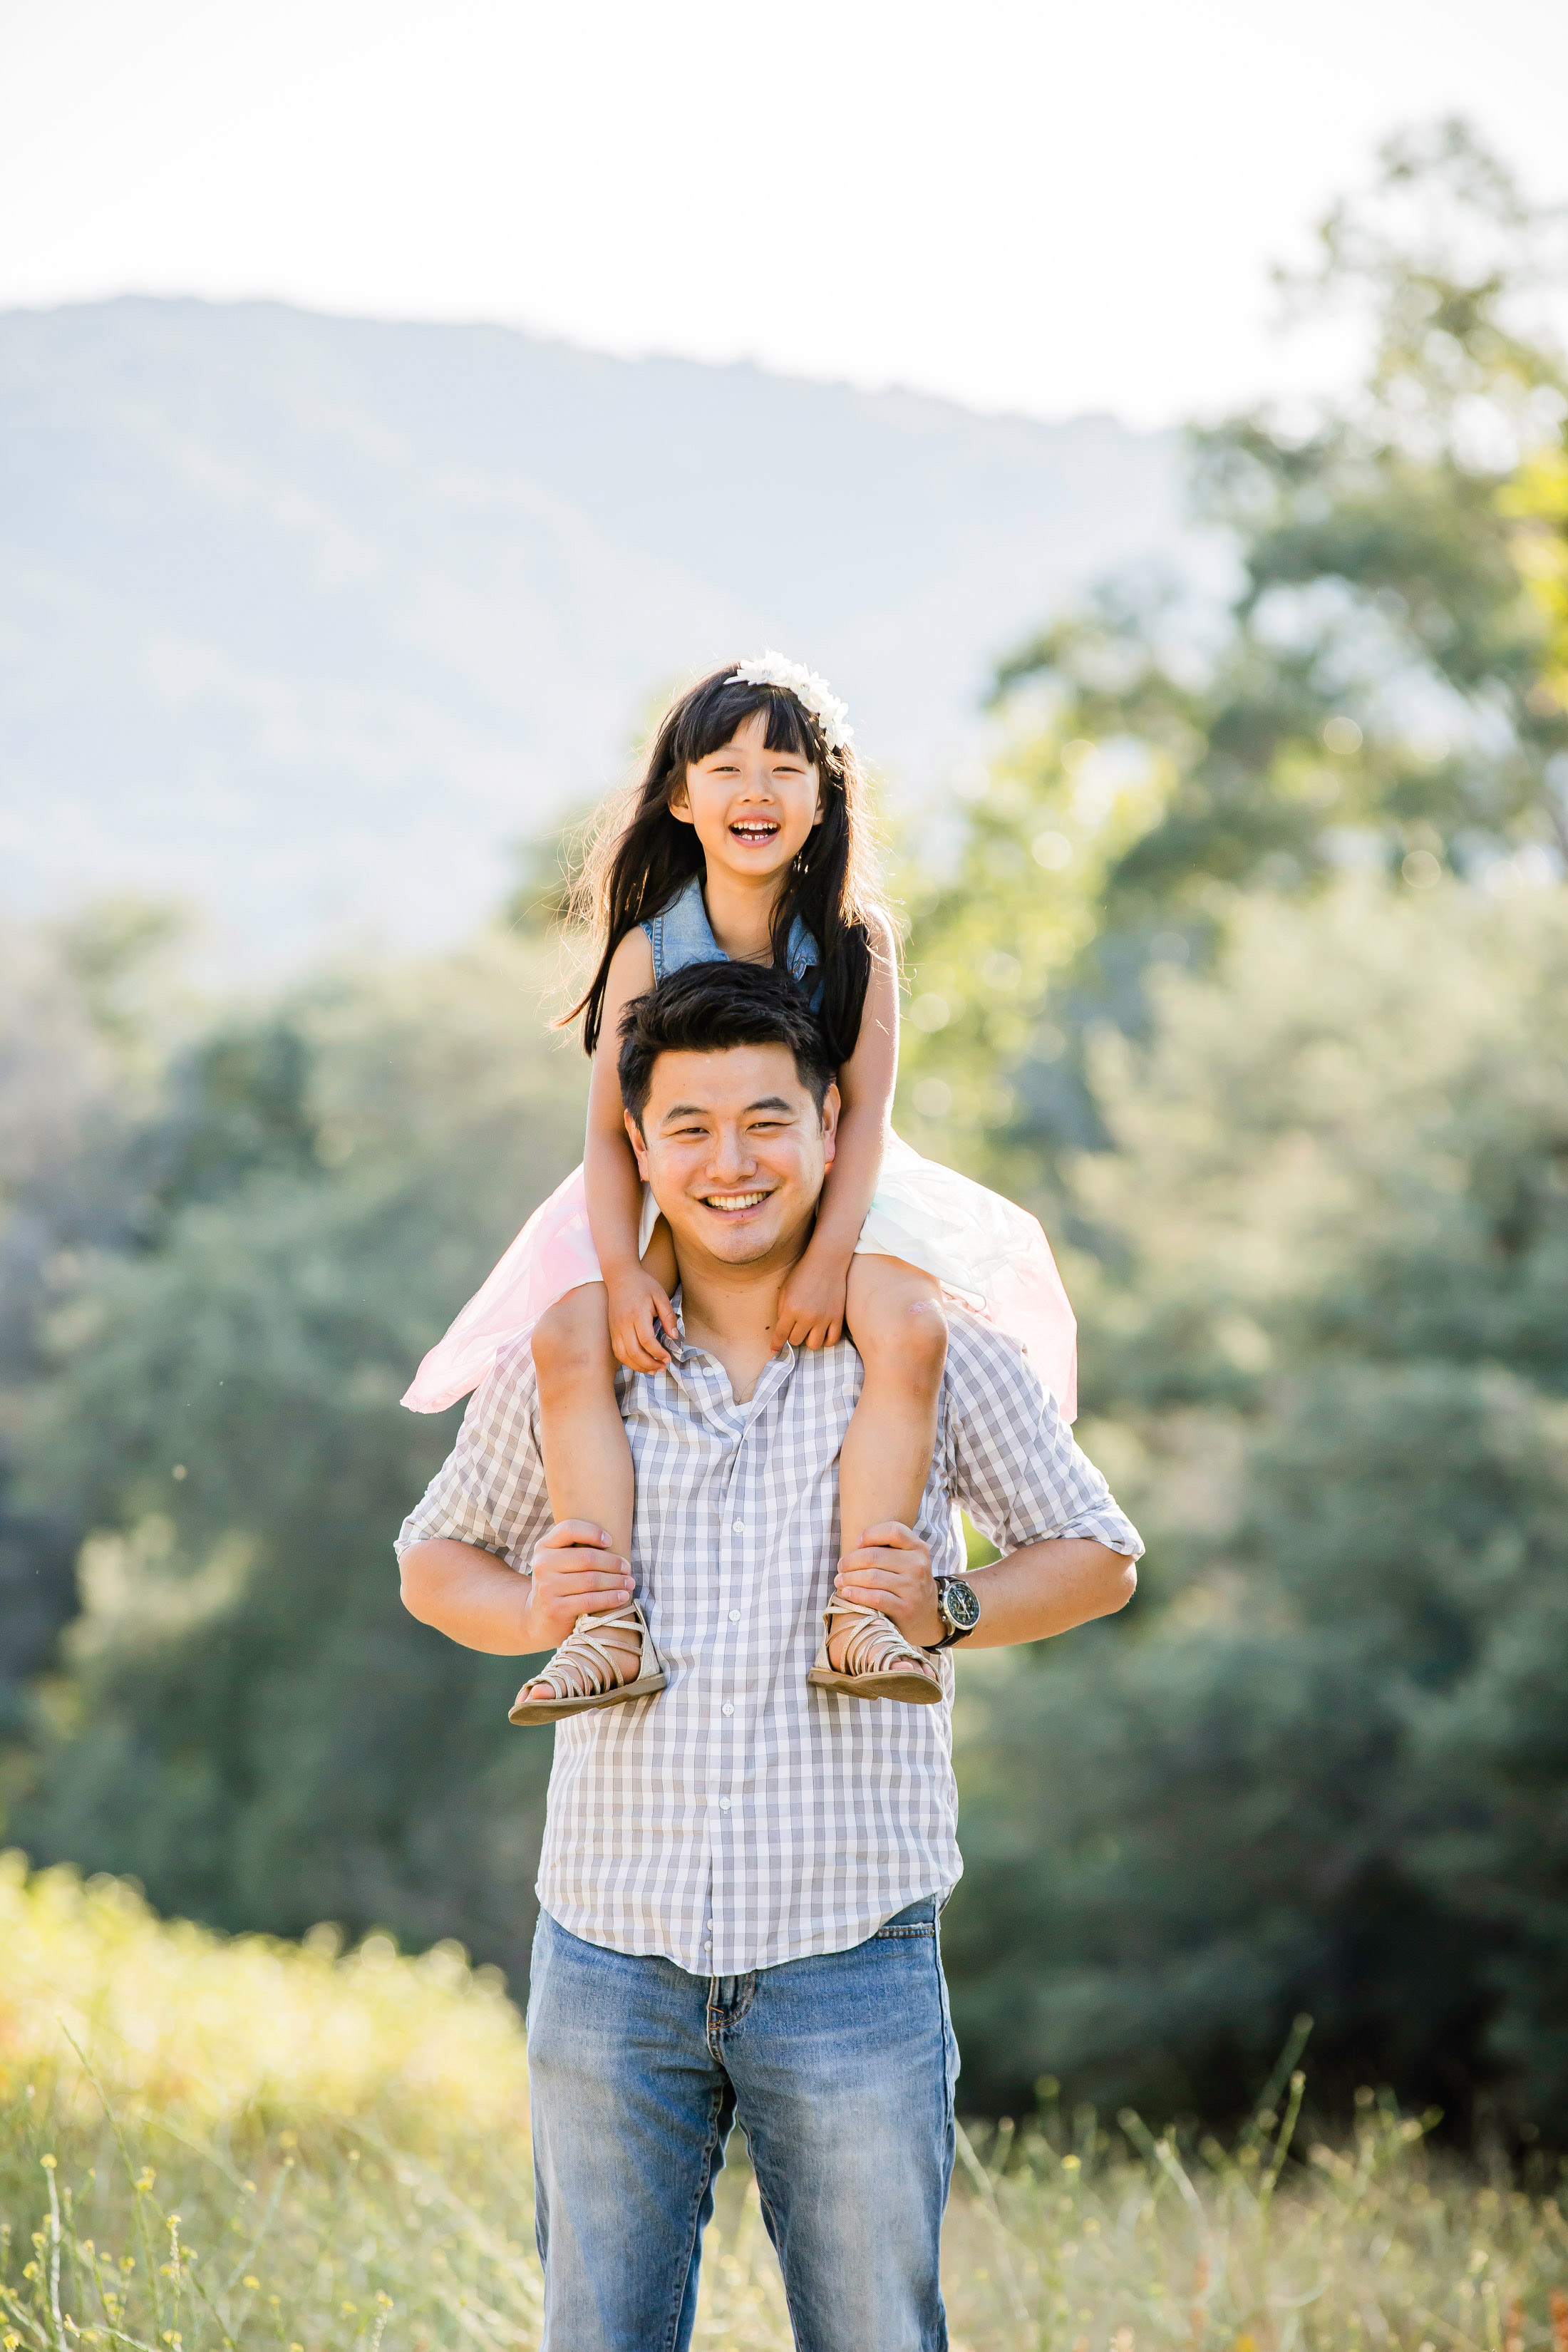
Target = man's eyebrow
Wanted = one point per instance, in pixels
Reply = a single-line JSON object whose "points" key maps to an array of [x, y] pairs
{"points": [[704, 1110]]}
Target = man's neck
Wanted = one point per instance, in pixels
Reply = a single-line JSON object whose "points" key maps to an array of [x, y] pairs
{"points": [[730, 1312]]}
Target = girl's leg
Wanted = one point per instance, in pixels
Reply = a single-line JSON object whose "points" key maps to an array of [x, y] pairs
{"points": [[896, 1319], [588, 1461]]}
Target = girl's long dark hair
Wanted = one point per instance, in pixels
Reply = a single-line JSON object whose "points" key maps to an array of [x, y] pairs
{"points": [[644, 856]]}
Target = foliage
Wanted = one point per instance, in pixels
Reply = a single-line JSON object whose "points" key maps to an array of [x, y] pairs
{"points": [[230, 2037], [252, 1724], [1310, 1195], [249, 2142], [1384, 694], [85, 1026], [332, 2151], [1327, 1364]]}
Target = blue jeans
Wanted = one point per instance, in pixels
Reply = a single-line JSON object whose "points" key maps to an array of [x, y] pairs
{"points": [[840, 2069]]}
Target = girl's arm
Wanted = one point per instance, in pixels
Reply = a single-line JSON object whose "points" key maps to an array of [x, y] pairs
{"points": [[611, 1182], [810, 1307]]}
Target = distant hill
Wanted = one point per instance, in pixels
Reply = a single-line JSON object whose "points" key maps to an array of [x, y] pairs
{"points": [[307, 618]]}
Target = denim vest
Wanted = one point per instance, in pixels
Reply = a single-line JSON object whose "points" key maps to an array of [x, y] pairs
{"points": [[683, 934]]}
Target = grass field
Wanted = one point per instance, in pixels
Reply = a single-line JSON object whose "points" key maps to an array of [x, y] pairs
{"points": [[208, 2144]]}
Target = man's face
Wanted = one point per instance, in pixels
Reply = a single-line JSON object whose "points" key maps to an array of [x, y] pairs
{"points": [[735, 1150]]}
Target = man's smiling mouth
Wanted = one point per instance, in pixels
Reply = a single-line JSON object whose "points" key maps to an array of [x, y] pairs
{"points": [[732, 1200]]}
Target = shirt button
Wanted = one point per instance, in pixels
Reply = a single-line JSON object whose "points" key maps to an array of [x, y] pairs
{"points": [[734, 1616], [738, 1526], [723, 1804], [726, 1708]]}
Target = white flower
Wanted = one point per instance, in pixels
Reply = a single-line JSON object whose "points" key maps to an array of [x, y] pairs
{"points": [[772, 668]]}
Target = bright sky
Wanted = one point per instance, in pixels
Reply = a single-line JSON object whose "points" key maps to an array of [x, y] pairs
{"points": [[1037, 207]]}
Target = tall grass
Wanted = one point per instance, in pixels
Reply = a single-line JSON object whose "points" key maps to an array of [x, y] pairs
{"points": [[211, 2145]]}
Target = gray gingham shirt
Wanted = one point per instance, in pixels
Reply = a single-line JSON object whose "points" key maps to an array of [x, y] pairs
{"points": [[739, 1819]]}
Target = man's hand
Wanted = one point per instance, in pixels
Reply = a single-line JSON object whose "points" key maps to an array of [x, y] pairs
{"points": [[635, 1302], [891, 1571], [574, 1573], [811, 1304]]}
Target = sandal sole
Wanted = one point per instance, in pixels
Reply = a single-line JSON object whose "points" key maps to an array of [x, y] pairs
{"points": [[912, 1686], [551, 1710]]}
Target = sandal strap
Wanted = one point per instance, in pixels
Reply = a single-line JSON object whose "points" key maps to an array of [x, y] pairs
{"points": [[876, 1645], [583, 1648]]}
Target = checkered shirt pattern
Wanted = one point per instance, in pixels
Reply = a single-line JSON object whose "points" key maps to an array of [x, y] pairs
{"points": [[739, 1819]]}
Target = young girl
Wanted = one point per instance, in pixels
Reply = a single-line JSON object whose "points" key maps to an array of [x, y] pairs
{"points": [[747, 838]]}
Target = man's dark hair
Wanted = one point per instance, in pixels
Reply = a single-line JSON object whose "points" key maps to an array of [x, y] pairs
{"points": [[705, 1008]]}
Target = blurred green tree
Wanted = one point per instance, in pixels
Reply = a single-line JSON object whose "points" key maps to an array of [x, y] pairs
{"points": [[251, 1723], [1328, 1771], [1387, 691], [89, 1012], [1313, 1222]]}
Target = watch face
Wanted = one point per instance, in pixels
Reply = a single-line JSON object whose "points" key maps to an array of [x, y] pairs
{"points": [[959, 1605]]}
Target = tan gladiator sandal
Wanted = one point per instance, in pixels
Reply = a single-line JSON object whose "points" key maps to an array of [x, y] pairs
{"points": [[872, 1667], [583, 1648]]}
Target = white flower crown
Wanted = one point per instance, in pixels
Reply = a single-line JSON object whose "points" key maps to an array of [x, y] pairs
{"points": [[770, 668]]}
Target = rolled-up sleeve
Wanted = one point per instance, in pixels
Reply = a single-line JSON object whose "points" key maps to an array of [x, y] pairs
{"points": [[491, 1489], [1012, 1461]]}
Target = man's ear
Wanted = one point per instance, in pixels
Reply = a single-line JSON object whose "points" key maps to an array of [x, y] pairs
{"points": [[830, 1102], [679, 802], [638, 1145]]}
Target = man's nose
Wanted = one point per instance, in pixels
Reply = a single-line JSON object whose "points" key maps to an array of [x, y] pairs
{"points": [[733, 1156]]}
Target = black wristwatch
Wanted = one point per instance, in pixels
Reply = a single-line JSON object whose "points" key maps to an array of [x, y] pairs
{"points": [[958, 1606]]}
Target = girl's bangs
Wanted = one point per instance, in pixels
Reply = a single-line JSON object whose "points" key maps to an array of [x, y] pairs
{"points": [[717, 711]]}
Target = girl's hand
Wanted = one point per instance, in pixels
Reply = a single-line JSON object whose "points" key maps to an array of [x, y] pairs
{"points": [[811, 1305], [635, 1301]]}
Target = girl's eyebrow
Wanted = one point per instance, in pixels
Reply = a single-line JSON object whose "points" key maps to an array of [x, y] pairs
{"points": [[727, 752]]}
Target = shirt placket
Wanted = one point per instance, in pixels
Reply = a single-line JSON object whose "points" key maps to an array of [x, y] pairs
{"points": [[735, 1676]]}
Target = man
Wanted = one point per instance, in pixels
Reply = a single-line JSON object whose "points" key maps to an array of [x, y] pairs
{"points": [[742, 1876]]}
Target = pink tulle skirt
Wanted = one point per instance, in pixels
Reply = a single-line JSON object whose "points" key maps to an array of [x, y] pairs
{"points": [[988, 1255]]}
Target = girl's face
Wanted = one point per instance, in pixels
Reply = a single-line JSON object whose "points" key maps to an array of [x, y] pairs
{"points": [[753, 809]]}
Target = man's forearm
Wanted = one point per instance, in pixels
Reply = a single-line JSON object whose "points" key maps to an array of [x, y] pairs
{"points": [[471, 1596], [1049, 1588]]}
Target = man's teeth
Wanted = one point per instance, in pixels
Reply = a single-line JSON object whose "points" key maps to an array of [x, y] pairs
{"points": [[733, 1199]]}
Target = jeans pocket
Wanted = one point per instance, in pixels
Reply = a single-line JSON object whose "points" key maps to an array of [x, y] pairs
{"points": [[918, 1918]]}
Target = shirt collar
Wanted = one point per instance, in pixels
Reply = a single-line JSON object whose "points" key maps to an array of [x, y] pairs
{"points": [[687, 1356]]}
